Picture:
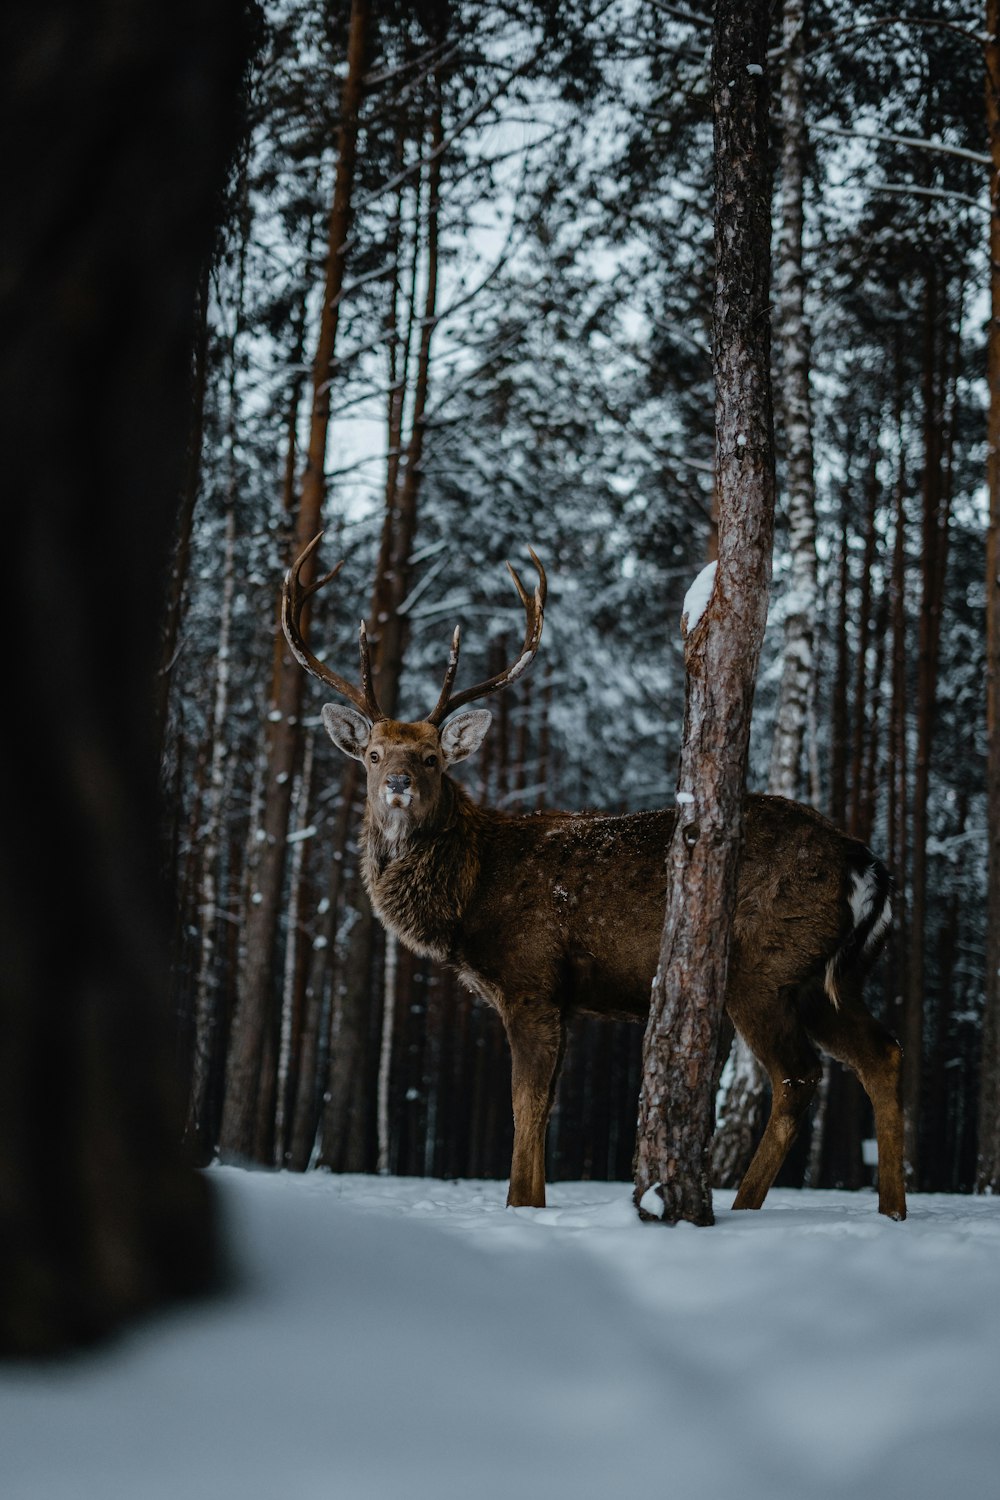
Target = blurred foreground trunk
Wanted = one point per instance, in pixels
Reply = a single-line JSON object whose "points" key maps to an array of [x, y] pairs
{"points": [[124, 119]]}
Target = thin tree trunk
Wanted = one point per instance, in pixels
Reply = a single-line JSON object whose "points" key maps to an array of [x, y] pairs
{"points": [[839, 728], [390, 974], [248, 1092], [404, 506], [930, 619], [722, 649], [897, 770], [870, 765], [206, 1008], [792, 333], [289, 998], [988, 1151], [860, 726], [742, 1114], [306, 1112]]}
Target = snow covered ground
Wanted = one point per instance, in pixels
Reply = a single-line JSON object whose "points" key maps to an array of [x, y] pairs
{"points": [[414, 1339]]}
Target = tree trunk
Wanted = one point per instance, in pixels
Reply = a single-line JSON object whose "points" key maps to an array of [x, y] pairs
{"points": [[189, 500], [839, 727], [744, 1102], [861, 725], [722, 649], [988, 1154], [311, 1054], [206, 1008], [742, 1112], [101, 1215], [403, 495], [290, 998], [930, 621], [792, 332], [247, 1091], [390, 975]]}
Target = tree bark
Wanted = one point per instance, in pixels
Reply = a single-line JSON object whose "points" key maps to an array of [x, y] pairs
{"points": [[247, 1093], [861, 722], [988, 1154], [722, 650], [839, 728], [189, 499], [101, 1215], [930, 623], [792, 336], [744, 1104], [206, 1008]]}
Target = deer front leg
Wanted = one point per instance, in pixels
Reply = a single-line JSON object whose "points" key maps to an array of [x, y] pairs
{"points": [[537, 1037]]}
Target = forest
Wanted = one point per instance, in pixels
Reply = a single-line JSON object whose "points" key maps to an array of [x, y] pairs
{"points": [[459, 305]]}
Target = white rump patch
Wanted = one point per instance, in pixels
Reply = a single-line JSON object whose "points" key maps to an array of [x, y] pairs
{"points": [[882, 922], [864, 891], [862, 896]]}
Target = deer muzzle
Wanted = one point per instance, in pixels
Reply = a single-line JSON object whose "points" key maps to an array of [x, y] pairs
{"points": [[397, 791]]}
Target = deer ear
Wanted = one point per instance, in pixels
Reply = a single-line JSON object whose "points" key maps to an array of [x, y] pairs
{"points": [[463, 734], [349, 730]]}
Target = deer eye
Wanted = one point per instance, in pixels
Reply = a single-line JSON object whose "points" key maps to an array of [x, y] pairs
{"points": [[430, 760], [374, 757]]}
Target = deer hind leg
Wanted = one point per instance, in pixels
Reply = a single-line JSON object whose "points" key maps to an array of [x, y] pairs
{"points": [[852, 1035], [779, 1041], [537, 1036]]}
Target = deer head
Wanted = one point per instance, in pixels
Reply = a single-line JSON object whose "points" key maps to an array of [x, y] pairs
{"points": [[404, 761]]}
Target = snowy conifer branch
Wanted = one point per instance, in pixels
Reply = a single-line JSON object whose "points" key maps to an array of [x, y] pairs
{"points": [[923, 144]]}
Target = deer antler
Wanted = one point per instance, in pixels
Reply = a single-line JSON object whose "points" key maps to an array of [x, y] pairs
{"points": [[534, 609], [294, 595]]}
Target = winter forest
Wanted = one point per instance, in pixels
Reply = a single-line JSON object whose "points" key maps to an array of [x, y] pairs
{"points": [[319, 312], [460, 305]]}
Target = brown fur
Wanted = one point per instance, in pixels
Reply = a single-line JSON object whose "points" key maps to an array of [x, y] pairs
{"points": [[554, 913]]}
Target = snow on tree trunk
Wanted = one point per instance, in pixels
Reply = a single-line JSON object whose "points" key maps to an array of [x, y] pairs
{"points": [[722, 649], [988, 1166]]}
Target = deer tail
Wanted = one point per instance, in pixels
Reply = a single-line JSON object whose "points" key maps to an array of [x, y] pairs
{"points": [[867, 900]]}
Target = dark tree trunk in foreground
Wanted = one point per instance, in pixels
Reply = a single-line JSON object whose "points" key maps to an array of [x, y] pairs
{"points": [[988, 1166], [721, 652], [124, 119]]}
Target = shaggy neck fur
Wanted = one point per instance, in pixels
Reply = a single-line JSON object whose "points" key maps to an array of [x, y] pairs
{"points": [[420, 876]]}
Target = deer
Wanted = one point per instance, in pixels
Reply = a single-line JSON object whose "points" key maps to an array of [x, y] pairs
{"points": [[545, 915]]}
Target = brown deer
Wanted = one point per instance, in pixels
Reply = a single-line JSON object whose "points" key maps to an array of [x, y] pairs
{"points": [[550, 914]]}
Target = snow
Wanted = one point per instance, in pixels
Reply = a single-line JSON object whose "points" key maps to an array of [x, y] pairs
{"points": [[652, 1202], [697, 597], [390, 1337]]}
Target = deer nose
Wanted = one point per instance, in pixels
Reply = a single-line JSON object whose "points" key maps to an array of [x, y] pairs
{"points": [[397, 783]]}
